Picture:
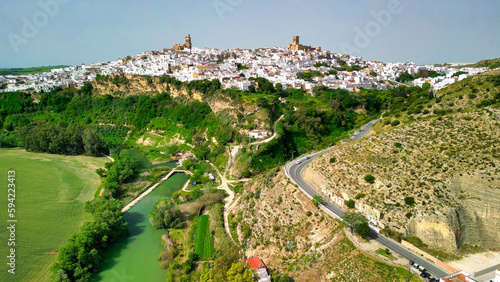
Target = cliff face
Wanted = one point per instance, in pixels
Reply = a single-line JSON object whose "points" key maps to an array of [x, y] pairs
{"points": [[134, 85]]}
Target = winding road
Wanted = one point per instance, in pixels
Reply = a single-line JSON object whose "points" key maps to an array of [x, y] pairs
{"points": [[294, 171]]}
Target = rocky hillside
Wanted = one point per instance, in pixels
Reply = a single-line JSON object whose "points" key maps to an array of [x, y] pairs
{"points": [[436, 172], [125, 85], [278, 223]]}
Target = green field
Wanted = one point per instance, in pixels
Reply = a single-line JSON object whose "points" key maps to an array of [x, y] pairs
{"points": [[50, 193], [204, 244], [21, 71]]}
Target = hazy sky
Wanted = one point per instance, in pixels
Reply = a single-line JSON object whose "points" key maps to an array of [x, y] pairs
{"points": [[50, 32]]}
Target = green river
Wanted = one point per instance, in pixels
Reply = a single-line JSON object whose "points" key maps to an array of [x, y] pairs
{"points": [[135, 258]]}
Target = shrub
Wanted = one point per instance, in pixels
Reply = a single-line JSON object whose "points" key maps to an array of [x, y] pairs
{"points": [[395, 122], [333, 159], [370, 178], [359, 196], [309, 213], [410, 201], [350, 204], [409, 215]]}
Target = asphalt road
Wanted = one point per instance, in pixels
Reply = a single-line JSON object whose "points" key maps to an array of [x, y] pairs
{"points": [[294, 172]]}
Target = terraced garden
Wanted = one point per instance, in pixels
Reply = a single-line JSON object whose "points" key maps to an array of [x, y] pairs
{"points": [[204, 244]]}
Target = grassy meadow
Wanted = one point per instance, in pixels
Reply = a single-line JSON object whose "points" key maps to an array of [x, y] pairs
{"points": [[50, 194], [23, 71]]}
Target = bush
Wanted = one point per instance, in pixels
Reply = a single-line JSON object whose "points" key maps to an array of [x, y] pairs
{"points": [[410, 201], [370, 178], [359, 196], [246, 174], [392, 234], [409, 215], [350, 204], [333, 159], [395, 122]]}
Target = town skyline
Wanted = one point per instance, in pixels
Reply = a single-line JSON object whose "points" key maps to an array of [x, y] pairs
{"points": [[53, 32]]}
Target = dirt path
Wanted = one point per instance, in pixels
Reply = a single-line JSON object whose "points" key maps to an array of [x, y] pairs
{"points": [[270, 138], [228, 202]]}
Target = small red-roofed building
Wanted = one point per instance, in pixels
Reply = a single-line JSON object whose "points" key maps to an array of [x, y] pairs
{"points": [[260, 268]]}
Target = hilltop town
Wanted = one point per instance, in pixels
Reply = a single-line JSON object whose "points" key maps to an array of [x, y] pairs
{"points": [[294, 66]]}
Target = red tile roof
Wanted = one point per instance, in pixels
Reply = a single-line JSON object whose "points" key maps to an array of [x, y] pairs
{"points": [[255, 263]]}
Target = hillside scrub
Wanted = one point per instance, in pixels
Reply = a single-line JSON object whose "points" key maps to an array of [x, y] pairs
{"points": [[431, 170]]}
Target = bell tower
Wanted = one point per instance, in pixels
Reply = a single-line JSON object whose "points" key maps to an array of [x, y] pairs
{"points": [[188, 41]]}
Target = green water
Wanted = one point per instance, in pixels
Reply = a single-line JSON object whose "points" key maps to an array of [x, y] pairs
{"points": [[135, 258]]}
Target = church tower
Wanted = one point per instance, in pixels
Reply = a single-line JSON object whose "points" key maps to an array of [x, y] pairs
{"points": [[295, 40], [188, 41]]}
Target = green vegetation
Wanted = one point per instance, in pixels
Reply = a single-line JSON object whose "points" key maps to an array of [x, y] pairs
{"points": [[118, 172], [370, 178], [350, 203], [385, 252], [410, 201], [359, 196], [317, 199], [356, 222], [82, 255], [363, 229], [52, 190], [239, 273], [491, 64], [404, 77], [33, 70], [165, 214], [241, 67], [204, 242], [308, 76]]}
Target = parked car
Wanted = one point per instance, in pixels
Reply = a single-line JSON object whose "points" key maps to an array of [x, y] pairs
{"points": [[421, 268], [298, 162], [424, 274], [411, 262], [415, 265]]}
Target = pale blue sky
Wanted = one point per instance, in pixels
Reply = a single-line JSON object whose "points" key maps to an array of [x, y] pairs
{"points": [[75, 32]]}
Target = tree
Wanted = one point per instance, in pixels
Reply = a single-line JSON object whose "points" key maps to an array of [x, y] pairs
{"points": [[363, 229], [317, 199], [353, 219], [410, 201], [92, 142], [350, 203], [370, 178], [239, 273], [196, 193], [165, 214]]}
